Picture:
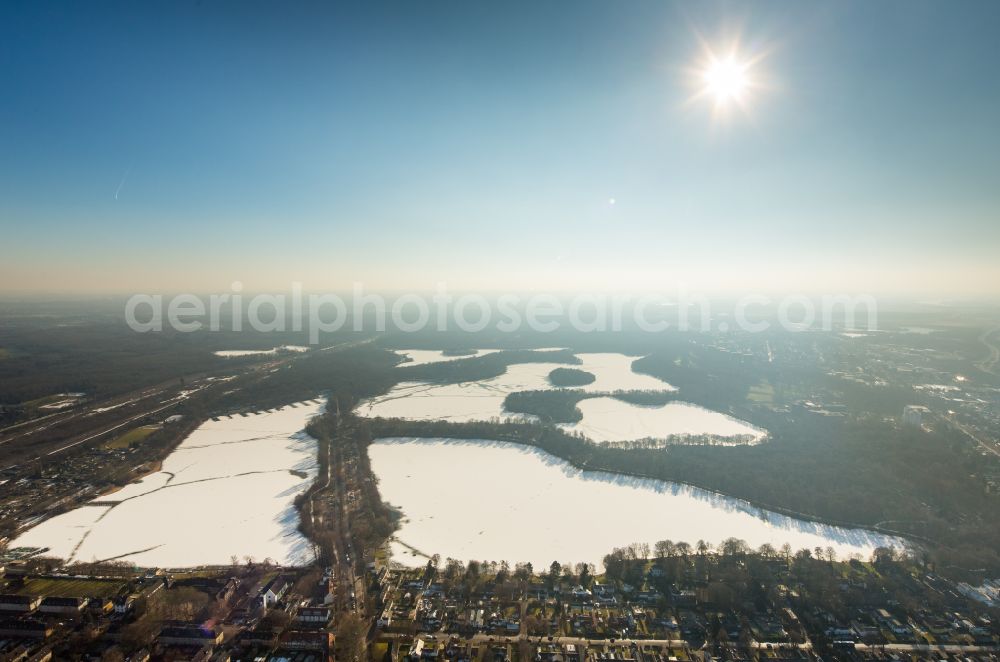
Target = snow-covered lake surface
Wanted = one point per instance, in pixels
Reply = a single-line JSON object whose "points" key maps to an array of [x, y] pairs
{"points": [[425, 356], [466, 401], [483, 399], [235, 353], [499, 501], [609, 419], [227, 490], [613, 372], [604, 419]]}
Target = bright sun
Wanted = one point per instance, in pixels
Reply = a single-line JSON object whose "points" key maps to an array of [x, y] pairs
{"points": [[726, 80]]}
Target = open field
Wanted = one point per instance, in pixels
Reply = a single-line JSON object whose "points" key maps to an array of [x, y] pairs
{"points": [[71, 587], [54, 399], [761, 393], [135, 435]]}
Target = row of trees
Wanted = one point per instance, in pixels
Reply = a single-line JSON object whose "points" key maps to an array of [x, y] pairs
{"points": [[727, 575], [476, 576]]}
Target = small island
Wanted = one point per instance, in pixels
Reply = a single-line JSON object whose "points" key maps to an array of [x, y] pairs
{"points": [[570, 377]]}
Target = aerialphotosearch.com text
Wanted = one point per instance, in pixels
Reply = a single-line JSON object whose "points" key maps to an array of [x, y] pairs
{"points": [[442, 310]]}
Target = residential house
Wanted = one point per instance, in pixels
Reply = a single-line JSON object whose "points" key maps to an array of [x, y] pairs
{"points": [[68, 606], [274, 591], [307, 640], [124, 604], [189, 635], [24, 628], [225, 594], [314, 615], [22, 604]]}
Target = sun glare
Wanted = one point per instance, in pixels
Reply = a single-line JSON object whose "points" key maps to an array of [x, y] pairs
{"points": [[727, 76], [726, 80]]}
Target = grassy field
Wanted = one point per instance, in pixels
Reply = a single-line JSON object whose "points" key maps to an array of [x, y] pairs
{"points": [[762, 392], [71, 587], [48, 400], [135, 435]]}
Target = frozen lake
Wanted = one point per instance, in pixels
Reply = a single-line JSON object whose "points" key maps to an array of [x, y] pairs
{"points": [[236, 353], [226, 490], [613, 372], [521, 504], [604, 419], [609, 419], [425, 356], [466, 401]]}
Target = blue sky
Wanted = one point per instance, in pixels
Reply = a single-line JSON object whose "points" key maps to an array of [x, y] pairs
{"points": [[181, 146]]}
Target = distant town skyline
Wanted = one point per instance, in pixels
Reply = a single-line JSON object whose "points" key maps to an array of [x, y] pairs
{"points": [[500, 146]]}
